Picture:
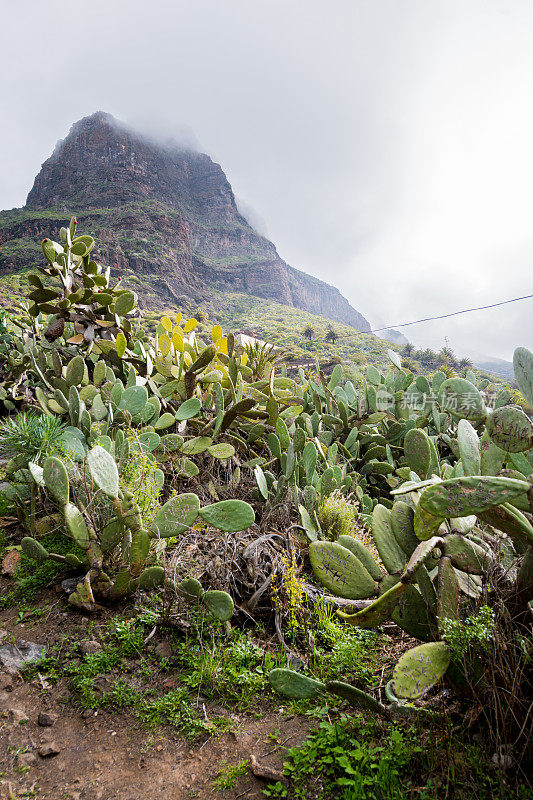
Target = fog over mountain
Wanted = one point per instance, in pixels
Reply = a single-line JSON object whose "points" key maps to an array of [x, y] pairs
{"points": [[386, 146]]}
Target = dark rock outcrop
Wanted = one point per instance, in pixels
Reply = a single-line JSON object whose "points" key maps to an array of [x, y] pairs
{"points": [[166, 213]]}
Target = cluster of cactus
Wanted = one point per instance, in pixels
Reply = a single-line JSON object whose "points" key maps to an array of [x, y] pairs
{"points": [[121, 539], [14, 364], [417, 671], [427, 460], [430, 541], [217, 602], [82, 296]]}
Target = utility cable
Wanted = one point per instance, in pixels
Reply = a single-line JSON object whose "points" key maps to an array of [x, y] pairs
{"points": [[453, 314]]}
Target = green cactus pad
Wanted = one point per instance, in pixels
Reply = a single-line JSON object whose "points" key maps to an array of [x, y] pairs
{"points": [[389, 550], [222, 451], [510, 520], [229, 515], [414, 486], [420, 669], [55, 477], [425, 524], [469, 447], [362, 553], [463, 524], [34, 550], [417, 449], [379, 611], [103, 471], [123, 585], [140, 547], [99, 373], [125, 302], [165, 421], [177, 515], [420, 555], [74, 562], [219, 604], [523, 370], [356, 697], [340, 571], [193, 447], [186, 468], [466, 555], [414, 617], [395, 358], [191, 588], [460, 497], [274, 445], [171, 442], [76, 525], [310, 524], [426, 588], [295, 685], [373, 375], [309, 459], [73, 444], [149, 441], [261, 482], [75, 371], [402, 522], [111, 535], [37, 473], [510, 429], [133, 399], [447, 590], [151, 578], [462, 399]]}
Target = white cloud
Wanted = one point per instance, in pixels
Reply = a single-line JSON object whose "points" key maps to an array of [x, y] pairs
{"points": [[386, 145]]}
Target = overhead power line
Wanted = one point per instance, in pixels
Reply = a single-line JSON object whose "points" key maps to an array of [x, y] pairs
{"points": [[453, 314]]}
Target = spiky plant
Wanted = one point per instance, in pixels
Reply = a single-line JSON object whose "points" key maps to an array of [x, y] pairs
{"points": [[259, 355], [30, 434]]}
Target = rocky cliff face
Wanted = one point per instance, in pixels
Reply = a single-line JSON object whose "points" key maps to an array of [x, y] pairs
{"points": [[164, 213]]}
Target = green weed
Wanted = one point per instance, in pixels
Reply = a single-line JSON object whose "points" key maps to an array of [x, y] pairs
{"points": [[229, 774]]}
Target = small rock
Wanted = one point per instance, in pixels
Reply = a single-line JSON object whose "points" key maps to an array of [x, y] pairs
{"points": [[90, 646], [26, 759], [45, 719], [69, 584], [10, 563], [17, 715], [3, 634], [15, 656], [49, 749], [163, 650]]}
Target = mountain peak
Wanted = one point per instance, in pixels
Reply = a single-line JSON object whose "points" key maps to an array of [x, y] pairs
{"points": [[168, 214], [104, 163]]}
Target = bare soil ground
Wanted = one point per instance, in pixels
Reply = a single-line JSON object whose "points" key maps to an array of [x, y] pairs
{"points": [[105, 755]]}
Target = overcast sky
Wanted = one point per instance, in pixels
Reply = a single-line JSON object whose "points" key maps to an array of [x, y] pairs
{"points": [[384, 146]]}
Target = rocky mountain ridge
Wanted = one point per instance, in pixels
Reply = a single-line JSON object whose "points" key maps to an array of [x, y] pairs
{"points": [[166, 215]]}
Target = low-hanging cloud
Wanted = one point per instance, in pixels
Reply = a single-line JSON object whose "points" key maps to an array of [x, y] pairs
{"points": [[386, 145]]}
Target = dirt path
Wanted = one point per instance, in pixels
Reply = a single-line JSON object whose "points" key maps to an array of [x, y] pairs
{"points": [[103, 755]]}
